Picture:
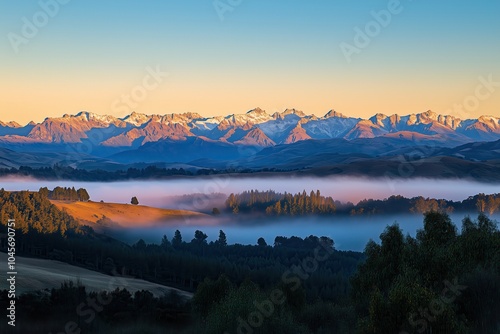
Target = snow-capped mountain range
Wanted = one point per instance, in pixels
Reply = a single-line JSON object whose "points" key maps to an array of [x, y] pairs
{"points": [[253, 128]]}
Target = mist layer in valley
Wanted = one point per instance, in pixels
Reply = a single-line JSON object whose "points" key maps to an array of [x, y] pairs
{"points": [[348, 233], [204, 194], [164, 193]]}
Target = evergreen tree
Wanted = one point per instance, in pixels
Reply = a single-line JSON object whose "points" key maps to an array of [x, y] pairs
{"points": [[261, 242], [165, 243], [222, 241], [199, 237], [83, 195], [177, 239]]}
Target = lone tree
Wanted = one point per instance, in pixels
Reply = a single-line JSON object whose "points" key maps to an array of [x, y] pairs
{"points": [[177, 239], [261, 242], [222, 241], [165, 243], [199, 237], [141, 245], [134, 200]]}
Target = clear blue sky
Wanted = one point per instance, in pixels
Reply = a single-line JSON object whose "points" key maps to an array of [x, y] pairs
{"points": [[272, 54]]}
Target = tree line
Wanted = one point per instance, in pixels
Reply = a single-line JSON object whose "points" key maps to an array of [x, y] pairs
{"points": [[65, 194], [440, 281], [33, 211], [47, 232], [273, 203], [71, 308], [60, 172]]}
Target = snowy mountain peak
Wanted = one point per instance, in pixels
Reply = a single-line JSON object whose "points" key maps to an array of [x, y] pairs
{"points": [[92, 117], [378, 119], [333, 113], [85, 114], [379, 116], [10, 124], [293, 112], [136, 119], [429, 114], [254, 127], [191, 115], [489, 119], [257, 111], [183, 118]]}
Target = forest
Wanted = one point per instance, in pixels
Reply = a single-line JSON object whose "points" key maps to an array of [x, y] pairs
{"points": [[444, 280], [59, 172], [33, 212], [272, 203], [65, 194]]}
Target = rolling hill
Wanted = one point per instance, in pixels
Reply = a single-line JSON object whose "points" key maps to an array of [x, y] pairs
{"points": [[124, 215], [41, 274]]}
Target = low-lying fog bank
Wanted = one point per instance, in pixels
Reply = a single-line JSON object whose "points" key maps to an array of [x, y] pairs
{"points": [[159, 193], [348, 232]]}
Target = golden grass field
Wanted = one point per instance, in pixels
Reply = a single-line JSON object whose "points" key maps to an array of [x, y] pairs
{"points": [[125, 215]]}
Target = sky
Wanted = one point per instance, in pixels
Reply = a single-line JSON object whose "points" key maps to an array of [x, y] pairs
{"points": [[229, 56]]}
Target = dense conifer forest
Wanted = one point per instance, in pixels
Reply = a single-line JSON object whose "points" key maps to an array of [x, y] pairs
{"points": [[58, 172], [313, 203], [443, 280]]}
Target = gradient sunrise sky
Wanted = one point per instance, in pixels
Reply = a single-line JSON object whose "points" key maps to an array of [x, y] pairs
{"points": [[270, 54]]}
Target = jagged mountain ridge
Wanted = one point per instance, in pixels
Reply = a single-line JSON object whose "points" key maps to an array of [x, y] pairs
{"points": [[253, 128]]}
